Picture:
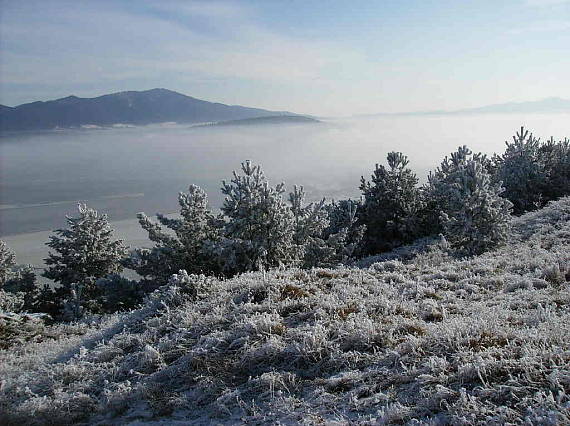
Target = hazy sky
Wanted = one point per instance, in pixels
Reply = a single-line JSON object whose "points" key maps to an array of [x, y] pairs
{"points": [[321, 57]]}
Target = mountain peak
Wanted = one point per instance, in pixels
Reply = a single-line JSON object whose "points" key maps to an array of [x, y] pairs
{"points": [[156, 105]]}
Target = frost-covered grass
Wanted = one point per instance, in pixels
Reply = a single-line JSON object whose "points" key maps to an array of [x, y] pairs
{"points": [[426, 338]]}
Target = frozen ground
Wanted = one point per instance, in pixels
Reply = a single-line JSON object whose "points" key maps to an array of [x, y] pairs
{"points": [[427, 339]]}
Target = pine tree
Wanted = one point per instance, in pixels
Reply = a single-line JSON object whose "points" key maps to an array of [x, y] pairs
{"points": [[391, 204], [7, 262], [473, 215], [83, 253], [556, 159], [184, 245], [260, 226], [522, 172]]}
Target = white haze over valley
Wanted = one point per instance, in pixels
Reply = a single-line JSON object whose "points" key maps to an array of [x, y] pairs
{"points": [[123, 171]]}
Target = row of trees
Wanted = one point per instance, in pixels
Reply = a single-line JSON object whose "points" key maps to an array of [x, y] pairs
{"points": [[468, 199], [257, 228]]}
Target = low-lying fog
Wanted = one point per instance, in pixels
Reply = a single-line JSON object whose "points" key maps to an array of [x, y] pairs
{"points": [[124, 171]]}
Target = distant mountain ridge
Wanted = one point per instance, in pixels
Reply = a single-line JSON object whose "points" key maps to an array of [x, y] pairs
{"points": [[270, 119], [547, 105], [133, 107]]}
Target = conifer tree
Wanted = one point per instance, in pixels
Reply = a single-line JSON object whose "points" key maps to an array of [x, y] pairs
{"points": [[7, 262], [83, 253], [391, 204], [473, 215], [556, 159], [522, 172], [260, 226], [183, 245]]}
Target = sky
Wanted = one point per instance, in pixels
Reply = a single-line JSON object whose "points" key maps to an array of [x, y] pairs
{"points": [[321, 57]]}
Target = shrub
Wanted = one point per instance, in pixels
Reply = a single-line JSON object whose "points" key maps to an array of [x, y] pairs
{"points": [[7, 262], [257, 229], [83, 253], [325, 234], [556, 159], [260, 225], [473, 216], [391, 204], [117, 293], [183, 244]]}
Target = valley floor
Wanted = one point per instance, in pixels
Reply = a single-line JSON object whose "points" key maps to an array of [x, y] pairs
{"points": [[423, 340]]}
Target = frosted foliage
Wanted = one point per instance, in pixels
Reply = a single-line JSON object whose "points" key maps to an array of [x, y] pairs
{"points": [[521, 172], [181, 245], [473, 215], [83, 253], [432, 339], [257, 229], [19, 290], [532, 172], [7, 261], [391, 204], [556, 157], [325, 234], [259, 222]]}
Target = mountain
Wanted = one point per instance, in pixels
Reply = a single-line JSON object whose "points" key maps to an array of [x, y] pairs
{"points": [[145, 107], [271, 119], [548, 105], [544, 105]]}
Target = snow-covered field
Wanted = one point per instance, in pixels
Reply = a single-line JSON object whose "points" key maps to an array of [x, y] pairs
{"points": [[424, 340]]}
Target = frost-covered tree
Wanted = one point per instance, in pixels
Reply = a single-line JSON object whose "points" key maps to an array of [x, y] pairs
{"points": [[7, 262], [521, 170], [391, 204], [343, 236], [182, 245], [259, 227], [83, 253], [19, 289], [325, 234], [556, 159], [473, 215]]}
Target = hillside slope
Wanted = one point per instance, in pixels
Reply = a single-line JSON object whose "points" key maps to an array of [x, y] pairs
{"points": [[441, 340], [144, 107]]}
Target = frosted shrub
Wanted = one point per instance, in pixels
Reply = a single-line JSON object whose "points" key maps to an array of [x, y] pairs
{"points": [[391, 203], [19, 290], [83, 253], [7, 261], [182, 244], [522, 172], [257, 229], [556, 158], [259, 222], [325, 234], [473, 216]]}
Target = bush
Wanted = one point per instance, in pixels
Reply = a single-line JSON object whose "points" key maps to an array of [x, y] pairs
{"points": [[259, 224], [117, 293], [556, 158], [472, 214], [532, 172], [83, 253], [391, 205], [183, 244], [257, 229], [522, 172], [7, 262]]}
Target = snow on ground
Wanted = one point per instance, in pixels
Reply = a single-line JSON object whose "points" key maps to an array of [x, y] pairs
{"points": [[420, 339]]}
